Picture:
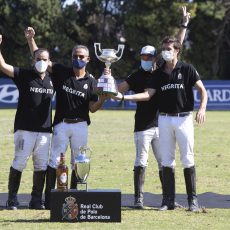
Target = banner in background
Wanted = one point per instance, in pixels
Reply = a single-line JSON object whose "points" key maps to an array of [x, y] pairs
{"points": [[218, 96]]}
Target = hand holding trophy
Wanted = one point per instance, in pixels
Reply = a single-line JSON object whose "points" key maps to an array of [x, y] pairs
{"points": [[106, 83]]}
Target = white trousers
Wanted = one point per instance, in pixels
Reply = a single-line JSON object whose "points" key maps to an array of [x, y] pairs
{"points": [[176, 130], [28, 143], [64, 134], [142, 140]]}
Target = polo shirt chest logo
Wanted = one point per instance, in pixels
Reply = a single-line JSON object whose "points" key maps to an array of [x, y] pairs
{"points": [[85, 86], [179, 76], [73, 91], [172, 86], [41, 90]]}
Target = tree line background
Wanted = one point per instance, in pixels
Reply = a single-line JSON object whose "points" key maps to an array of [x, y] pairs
{"points": [[134, 23]]}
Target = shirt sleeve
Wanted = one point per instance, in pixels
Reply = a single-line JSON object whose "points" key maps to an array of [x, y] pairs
{"points": [[19, 75], [59, 72], [93, 95], [194, 75]]}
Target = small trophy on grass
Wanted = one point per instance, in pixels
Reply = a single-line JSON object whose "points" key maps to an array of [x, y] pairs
{"points": [[82, 167]]}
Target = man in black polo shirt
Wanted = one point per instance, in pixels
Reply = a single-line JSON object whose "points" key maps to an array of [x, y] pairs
{"points": [[74, 99], [174, 82], [146, 130], [32, 125]]}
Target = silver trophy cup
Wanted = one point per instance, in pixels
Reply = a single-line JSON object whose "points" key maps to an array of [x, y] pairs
{"points": [[82, 167], [106, 83]]}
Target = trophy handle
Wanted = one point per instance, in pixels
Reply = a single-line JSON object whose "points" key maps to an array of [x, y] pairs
{"points": [[99, 48], [120, 47]]}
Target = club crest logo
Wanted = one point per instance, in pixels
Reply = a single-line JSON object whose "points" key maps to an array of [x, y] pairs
{"points": [[85, 86], [70, 209], [179, 76]]}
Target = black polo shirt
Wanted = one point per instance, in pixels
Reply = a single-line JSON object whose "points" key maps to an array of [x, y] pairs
{"points": [[175, 91], [146, 115], [34, 102], [72, 95]]}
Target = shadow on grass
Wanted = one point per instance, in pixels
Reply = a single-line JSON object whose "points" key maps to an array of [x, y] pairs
{"points": [[21, 207], [26, 221], [132, 208], [207, 200], [151, 201]]}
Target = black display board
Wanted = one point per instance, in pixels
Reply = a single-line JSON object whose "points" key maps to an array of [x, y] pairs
{"points": [[86, 206]]}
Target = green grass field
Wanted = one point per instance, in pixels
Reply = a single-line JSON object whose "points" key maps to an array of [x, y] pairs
{"points": [[111, 140]]}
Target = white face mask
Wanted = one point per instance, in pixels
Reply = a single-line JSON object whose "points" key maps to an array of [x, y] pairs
{"points": [[167, 55], [146, 65], [41, 66]]}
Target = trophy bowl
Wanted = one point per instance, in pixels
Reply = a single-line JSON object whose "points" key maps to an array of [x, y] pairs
{"points": [[82, 168], [106, 83]]}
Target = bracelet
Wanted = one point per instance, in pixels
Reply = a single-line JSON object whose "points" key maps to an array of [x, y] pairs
{"points": [[123, 97], [183, 26]]}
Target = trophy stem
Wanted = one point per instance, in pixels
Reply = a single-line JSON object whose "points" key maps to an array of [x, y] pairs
{"points": [[107, 65]]}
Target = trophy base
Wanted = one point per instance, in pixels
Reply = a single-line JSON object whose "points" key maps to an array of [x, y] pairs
{"points": [[100, 92], [82, 186], [106, 85]]}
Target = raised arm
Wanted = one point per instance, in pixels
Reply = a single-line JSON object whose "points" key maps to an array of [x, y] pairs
{"points": [[200, 115], [184, 24], [5, 68], [29, 34]]}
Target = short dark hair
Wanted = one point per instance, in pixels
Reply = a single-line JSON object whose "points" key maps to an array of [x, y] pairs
{"points": [[174, 40], [40, 50]]}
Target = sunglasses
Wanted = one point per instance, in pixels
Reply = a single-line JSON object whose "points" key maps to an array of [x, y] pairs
{"points": [[78, 56]]}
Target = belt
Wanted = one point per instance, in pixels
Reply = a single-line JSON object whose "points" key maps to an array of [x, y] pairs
{"points": [[183, 114], [72, 121]]}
